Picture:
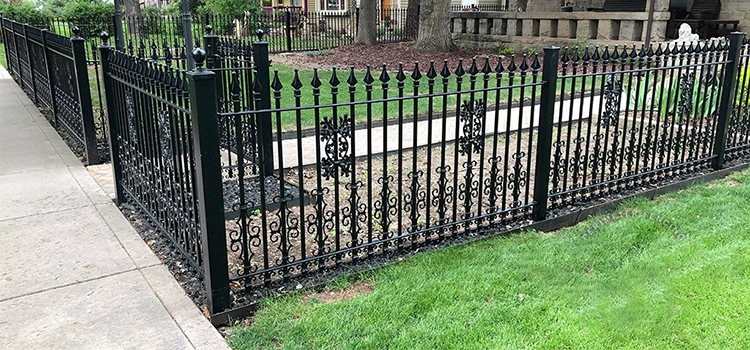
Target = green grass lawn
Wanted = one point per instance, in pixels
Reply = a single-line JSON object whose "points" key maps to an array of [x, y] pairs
{"points": [[673, 273], [3, 61]]}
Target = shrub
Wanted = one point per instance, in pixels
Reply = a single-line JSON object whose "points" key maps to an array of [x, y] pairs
{"points": [[503, 50], [25, 12], [91, 17]]}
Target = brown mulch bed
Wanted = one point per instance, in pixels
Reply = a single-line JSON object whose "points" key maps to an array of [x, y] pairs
{"points": [[360, 56]]}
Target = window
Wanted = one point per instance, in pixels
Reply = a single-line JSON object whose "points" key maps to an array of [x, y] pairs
{"points": [[333, 5]]}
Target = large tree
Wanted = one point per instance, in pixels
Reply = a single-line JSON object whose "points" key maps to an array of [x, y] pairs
{"points": [[133, 14], [367, 31], [412, 19], [434, 26]]}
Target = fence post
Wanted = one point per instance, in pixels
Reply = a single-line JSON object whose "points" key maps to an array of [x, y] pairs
{"points": [[356, 20], [288, 29], [119, 35], [112, 127], [31, 66], [544, 141], [211, 43], [84, 97], [209, 190], [262, 76], [18, 69], [726, 104], [48, 66]]}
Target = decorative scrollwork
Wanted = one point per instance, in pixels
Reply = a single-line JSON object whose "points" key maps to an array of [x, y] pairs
{"points": [[336, 134], [685, 105], [165, 122], [612, 91], [471, 116], [130, 113]]}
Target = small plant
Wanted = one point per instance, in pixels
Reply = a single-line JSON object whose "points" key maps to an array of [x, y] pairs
{"points": [[532, 51], [503, 50]]}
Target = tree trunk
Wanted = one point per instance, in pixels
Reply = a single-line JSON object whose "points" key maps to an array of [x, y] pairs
{"points": [[367, 31], [412, 19], [434, 26], [133, 15]]}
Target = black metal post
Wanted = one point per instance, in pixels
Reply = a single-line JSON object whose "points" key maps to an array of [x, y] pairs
{"points": [[48, 66], [117, 26], [209, 189], [288, 29], [31, 66], [18, 57], [726, 104], [109, 95], [188, 32], [84, 97], [262, 76], [356, 21], [544, 141], [211, 42]]}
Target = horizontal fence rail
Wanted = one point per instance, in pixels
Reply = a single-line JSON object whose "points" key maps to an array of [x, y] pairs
{"points": [[263, 178], [54, 71]]}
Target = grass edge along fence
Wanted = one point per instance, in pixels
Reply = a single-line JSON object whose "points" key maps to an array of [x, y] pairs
{"points": [[53, 71], [248, 221]]}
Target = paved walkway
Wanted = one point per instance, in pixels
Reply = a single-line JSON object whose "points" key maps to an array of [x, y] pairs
{"points": [[518, 117], [73, 273]]}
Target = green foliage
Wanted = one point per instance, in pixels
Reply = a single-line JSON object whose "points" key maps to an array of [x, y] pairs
{"points": [[234, 8], [52, 8], [676, 97], [503, 50], [25, 12], [743, 91], [92, 17]]}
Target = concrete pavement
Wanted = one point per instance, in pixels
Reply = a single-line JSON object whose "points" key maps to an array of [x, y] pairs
{"points": [[74, 274]]}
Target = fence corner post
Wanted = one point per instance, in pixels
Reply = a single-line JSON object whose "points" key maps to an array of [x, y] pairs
{"points": [[112, 118], [84, 97], [263, 79], [544, 139], [288, 29], [209, 189], [726, 104]]}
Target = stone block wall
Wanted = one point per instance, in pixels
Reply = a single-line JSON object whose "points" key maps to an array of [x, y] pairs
{"points": [[736, 10]]}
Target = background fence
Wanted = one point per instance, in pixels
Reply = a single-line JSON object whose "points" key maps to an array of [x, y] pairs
{"points": [[54, 71], [274, 178]]}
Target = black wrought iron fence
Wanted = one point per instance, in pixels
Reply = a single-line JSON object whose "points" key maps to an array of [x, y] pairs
{"points": [[153, 154], [738, 136], [481, 7], [289, 177], [53, 71]]}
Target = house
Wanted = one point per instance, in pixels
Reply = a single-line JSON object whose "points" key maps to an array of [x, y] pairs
{"points": [[536, 23]]}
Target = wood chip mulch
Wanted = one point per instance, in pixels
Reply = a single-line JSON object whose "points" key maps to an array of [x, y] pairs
{"points": [[392, 55]]}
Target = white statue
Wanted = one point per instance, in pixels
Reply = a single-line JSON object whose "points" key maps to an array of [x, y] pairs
{"points": [[685, 37], [686, 33]]}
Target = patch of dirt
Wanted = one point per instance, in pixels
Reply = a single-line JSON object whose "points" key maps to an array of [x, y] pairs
{"points": [[328, 296], [392, 54]]}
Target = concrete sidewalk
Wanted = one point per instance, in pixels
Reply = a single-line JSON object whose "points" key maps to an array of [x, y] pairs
{"points": [[73, 273]]}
